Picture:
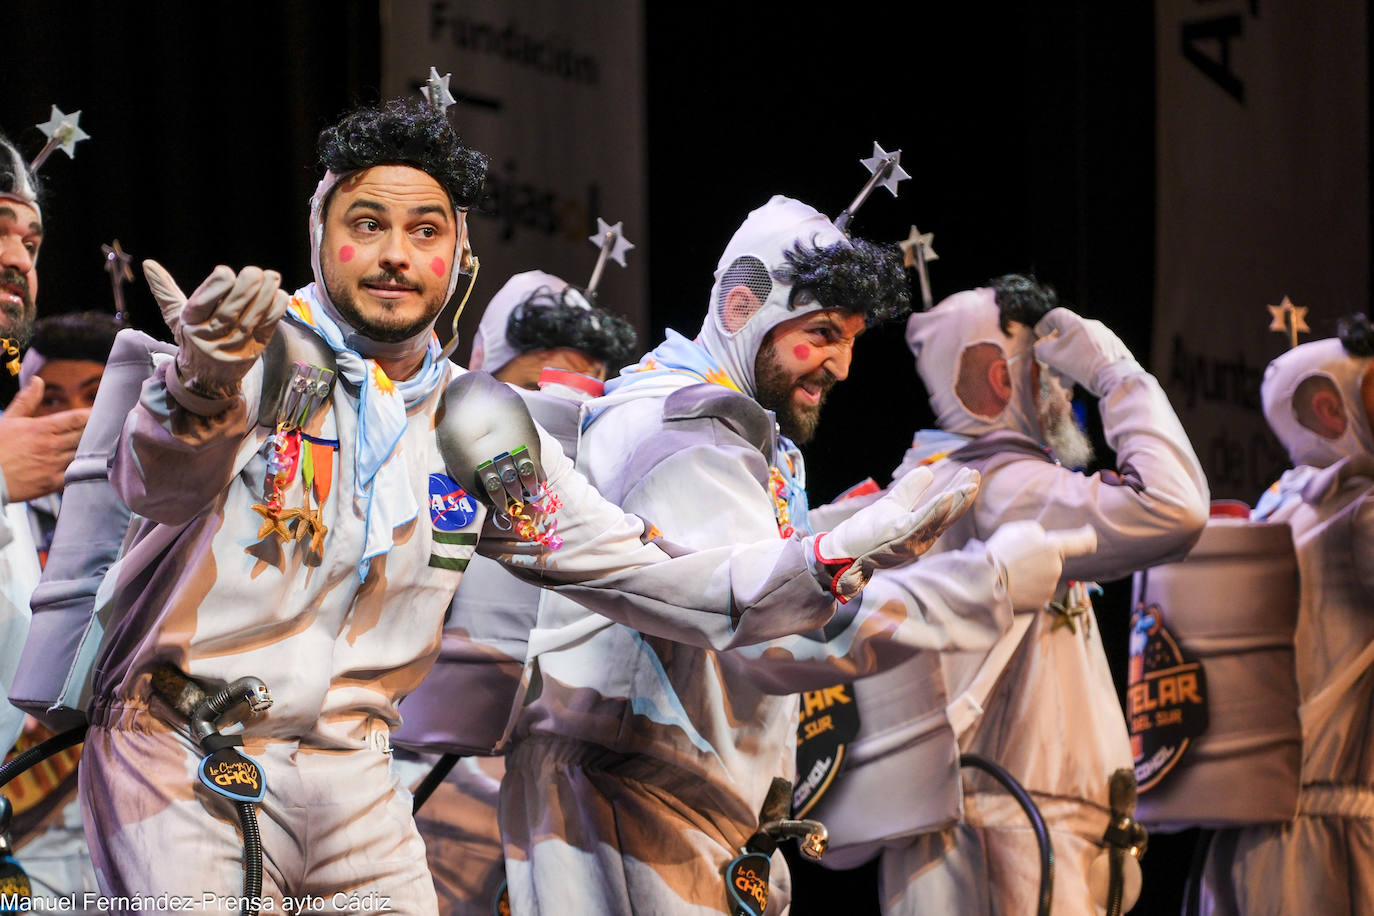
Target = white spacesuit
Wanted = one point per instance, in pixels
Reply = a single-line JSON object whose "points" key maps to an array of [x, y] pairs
{"points": [[344, 622], [639, 766], [1051, 715], [1323, 860]]}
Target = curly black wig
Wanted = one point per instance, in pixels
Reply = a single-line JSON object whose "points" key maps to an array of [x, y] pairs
{"points": [[405, 132], [76, 335], [547, 320], [1022, 298], [9, 178], [858, 276], [1357, 334]]}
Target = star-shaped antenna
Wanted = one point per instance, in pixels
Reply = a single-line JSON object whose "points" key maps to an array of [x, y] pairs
{"points": [[117, 266], [1289, 319], [917, 250], [62, 132], [886, 170], [436, 92], [612, 243]]}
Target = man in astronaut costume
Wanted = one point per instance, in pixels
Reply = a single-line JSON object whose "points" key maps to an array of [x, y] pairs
{"points": [[1319, 400], [36, 449], [993, 360], [639, 767], [345, 621], [544, 338]]}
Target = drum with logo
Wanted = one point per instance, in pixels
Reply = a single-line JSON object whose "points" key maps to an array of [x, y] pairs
{"points": [[1212, 701]]}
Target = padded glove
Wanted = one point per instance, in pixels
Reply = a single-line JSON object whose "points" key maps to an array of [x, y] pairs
{"points": [[222, 328], [1082, 350], [891, 532]]}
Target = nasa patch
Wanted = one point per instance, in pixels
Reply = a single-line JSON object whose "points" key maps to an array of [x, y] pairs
{"points": [[451, 508]]}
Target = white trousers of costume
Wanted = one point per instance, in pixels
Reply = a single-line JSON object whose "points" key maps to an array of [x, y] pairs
{"points": [[335, 824], [576, 806], [1320, 862], [988, 864]]}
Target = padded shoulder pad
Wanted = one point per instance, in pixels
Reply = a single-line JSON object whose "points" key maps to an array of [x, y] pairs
{"points": [[741, 413]]}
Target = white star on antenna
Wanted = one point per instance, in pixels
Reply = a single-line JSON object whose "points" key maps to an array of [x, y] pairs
{"points": [[916, 241], [620, 245], [876, 162], [63, 129], [436, 90]]}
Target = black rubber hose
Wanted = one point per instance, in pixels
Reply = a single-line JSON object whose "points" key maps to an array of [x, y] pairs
{"points": [[432, 779], [1042, 833], [40, 752], [252, 855], [1116, 881]]}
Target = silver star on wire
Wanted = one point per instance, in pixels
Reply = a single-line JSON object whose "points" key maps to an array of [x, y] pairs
{"points": [[916, 241], [436, 90], [620, 244], [876, 162], [63, 131]]}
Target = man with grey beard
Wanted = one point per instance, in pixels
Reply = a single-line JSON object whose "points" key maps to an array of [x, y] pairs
{"points": [[999, 363]]}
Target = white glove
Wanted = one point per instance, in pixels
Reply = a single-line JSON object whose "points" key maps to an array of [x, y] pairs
{"points": [[1032, 559], [890, 532], [1082, 350], [222, 328]]}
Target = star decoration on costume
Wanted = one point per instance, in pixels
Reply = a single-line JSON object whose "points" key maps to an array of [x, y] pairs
{"points": [[311, 524], [1075, 608], [1289, 319], [436, 90], [881, 158], [275, 522], [918, 241], [616, 234], [63, 132]]}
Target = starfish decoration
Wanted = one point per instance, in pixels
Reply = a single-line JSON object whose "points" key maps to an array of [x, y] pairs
{"points": [[436, 90], [62, 132], [1289, 319], [117, 266], [1075, 607], [615, 235], [879, 159], [310, 523], [918, 241], [275, 521]]}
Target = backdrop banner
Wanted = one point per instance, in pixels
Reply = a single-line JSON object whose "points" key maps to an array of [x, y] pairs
{"points": [[1263, 192], [553, 92]]}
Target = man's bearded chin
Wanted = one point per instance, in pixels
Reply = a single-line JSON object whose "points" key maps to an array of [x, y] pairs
{"points": [[382, 332], [775, 389], [16, 321], [1067, 440]]}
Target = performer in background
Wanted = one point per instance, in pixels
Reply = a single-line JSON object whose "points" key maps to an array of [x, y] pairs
{"points": [[546, 339], [640, 766], [295, 548], [998, 363], [68, 353], [1319, 401]]}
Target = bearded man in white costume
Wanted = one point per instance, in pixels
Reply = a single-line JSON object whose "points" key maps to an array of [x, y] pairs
{"points": [[995, 361], [338, 605], [1319, 401], [639, 767]]}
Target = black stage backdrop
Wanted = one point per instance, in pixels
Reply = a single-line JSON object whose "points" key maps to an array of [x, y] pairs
{"points": [[1029, 131]]}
